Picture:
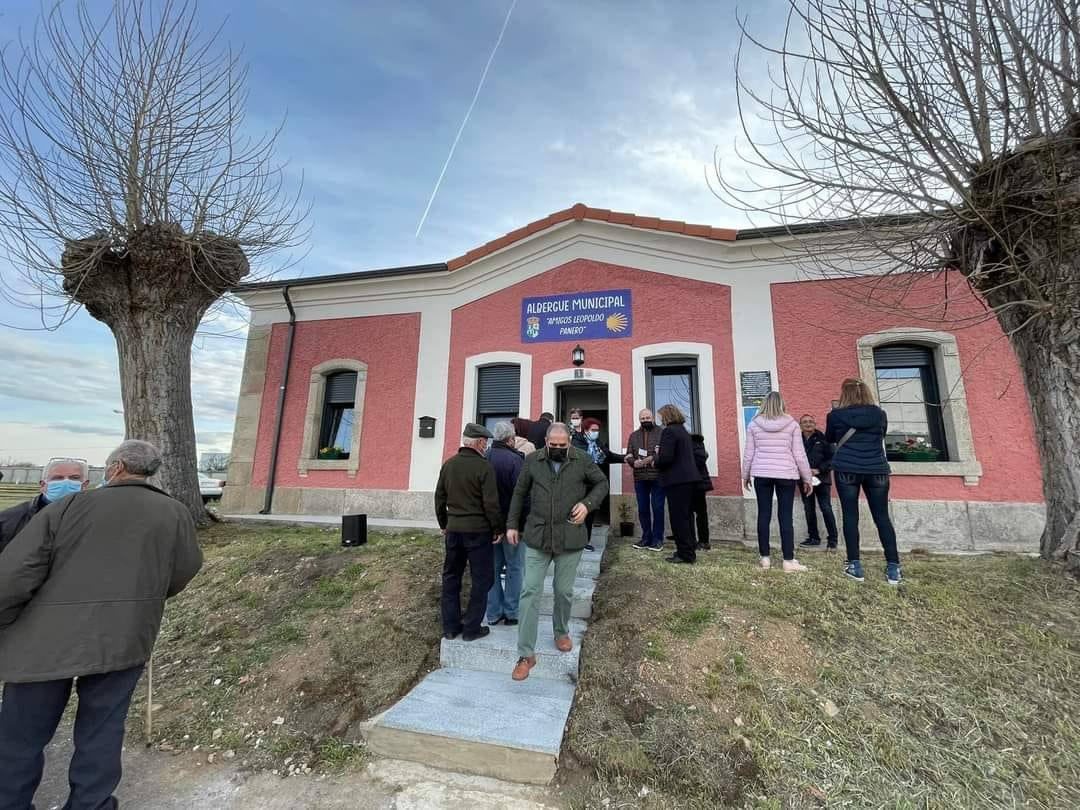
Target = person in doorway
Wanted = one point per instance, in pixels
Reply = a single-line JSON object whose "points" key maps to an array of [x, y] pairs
{"points": [[601, 456], [538, 430], [819, 456], [857, 428], [561, 486], [776, 460], [82, 591], [641, 451], [679, 476], [577, 430], [520, 440], [467, 508], [502, 601], [699, 505], [62, 477]]}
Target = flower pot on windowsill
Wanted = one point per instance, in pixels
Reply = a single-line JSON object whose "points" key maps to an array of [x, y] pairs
{"points": [[915, 455], [626, 529], [332, 455]]}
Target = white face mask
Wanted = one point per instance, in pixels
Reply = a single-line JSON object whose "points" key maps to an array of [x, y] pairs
{"points": [[575, 422]]}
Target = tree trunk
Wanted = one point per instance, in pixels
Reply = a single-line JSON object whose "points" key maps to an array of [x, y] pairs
{"points": [[152, 291], [1050, 361], [155, 382], [1019, 247]]}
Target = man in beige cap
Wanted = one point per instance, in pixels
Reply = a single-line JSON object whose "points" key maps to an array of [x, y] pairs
{"points": [[467, 508]]}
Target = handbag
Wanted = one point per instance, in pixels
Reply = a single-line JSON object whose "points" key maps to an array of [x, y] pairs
{"points": [[843, 440]]}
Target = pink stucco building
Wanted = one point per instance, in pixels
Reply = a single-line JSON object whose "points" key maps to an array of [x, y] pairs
{"points": [[386, 366]]}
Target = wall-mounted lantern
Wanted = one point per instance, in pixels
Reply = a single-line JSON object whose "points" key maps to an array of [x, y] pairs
{"points": [[578, 356], [427, 427]]}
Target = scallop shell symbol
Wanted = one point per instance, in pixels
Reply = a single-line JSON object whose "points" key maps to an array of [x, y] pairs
{"points": [[616, 322]]}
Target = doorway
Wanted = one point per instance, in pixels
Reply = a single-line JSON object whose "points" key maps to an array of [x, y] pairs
{"points": [[591, 398]]}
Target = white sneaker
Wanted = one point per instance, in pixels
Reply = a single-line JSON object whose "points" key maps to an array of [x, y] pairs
{"points": [[765, 562], [794, 566]]}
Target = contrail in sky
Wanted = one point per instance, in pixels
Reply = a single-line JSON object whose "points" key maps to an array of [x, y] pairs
{"points": [[465, 120]]}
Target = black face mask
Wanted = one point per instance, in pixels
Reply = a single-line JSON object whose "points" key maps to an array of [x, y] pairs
{"points": [[646, 425], [557, 453]]}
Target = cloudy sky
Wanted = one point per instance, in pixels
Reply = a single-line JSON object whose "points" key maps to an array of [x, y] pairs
{"points": [[616, 103]]}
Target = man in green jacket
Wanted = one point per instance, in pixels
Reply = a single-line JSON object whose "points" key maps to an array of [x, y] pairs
{"points": [[82, 590], [467, 508], [562, 486]]}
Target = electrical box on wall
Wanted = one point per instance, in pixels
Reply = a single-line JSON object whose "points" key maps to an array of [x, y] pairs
{"points": [[427, 427]]}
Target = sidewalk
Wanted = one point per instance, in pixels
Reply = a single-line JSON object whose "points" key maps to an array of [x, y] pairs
{"points": [[385, 524]]}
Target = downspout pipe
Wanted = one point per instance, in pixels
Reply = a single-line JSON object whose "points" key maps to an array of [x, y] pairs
{"points": [[280, 403]]}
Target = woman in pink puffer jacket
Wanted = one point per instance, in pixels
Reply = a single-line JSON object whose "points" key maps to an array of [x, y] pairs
{"points": [[775, 459]]}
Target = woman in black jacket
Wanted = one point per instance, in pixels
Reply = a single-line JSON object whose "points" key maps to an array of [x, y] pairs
{"points": [[857, 428], [698, 503], [679, 476]]}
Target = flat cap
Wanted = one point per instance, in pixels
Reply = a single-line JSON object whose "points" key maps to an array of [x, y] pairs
{"points": [[475, 431]]}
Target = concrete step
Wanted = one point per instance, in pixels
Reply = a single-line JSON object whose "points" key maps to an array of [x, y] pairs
{"points": [[479, 722], [498, 653], [583, 594]]}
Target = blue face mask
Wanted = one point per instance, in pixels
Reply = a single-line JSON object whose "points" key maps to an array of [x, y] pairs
{"points": [[593, 435], [55, 490]]}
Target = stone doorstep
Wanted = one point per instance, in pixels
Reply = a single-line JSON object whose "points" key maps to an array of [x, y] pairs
{"points": [[479, 722], [497, 652]]}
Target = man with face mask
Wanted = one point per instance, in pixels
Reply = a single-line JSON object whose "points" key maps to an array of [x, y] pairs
{"points": [[561, 486], [63, 477], [641, 451]]}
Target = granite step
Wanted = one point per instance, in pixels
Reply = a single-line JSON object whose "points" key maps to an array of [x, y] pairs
{"points": [[479, 722], [582, 604], [497, 652]]}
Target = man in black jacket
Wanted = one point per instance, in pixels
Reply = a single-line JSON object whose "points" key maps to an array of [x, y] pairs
{"points": [[503, 598], [820, 457], [467, 508], [63, 476], [538, 432], [82, 591]]}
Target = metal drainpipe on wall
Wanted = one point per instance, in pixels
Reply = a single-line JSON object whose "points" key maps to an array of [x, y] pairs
{"points": [[280, 404]]}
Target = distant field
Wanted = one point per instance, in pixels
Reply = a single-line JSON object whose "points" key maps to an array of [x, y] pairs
{"points": [[11, 494]]}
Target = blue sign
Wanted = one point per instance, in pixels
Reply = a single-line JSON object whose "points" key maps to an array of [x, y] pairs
{"points": [[597, 315]]}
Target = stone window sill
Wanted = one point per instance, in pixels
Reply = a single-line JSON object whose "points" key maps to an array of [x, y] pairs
{"points": [[970, 471], [346, 464]]}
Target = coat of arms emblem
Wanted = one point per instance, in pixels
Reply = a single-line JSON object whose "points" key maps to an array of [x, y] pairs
{"points": [[532, 328]]}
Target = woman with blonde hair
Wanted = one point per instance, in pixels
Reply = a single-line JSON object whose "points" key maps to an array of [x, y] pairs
{"points": [[857, 430], [775, 459], [679, 477]]}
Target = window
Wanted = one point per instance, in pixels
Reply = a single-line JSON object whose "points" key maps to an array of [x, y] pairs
{"points": [[334, 417], [909, 393], [497, 393], [338, 417], [673, 380]]}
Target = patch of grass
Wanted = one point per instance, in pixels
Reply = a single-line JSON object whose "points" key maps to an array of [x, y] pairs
{"points": [[957, 690], [285, 640], [689, 623]]}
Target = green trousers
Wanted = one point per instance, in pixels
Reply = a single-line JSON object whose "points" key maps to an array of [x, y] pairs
{"points": [[532, 592]]}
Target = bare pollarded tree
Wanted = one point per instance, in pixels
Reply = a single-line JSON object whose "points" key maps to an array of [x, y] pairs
{"points": [[128, 186], [941, 136]]}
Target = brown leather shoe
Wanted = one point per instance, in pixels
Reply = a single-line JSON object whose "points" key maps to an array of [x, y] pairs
{"points": [[523, 667], [564, 644]]}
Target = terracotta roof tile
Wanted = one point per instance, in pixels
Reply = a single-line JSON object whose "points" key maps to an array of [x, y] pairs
{"points": [[579, 212]]}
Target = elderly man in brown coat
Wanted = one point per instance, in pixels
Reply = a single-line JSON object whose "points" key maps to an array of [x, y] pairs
{"points": [[82, 591]]}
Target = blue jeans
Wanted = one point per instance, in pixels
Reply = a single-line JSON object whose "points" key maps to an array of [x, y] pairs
{"points": [[503, 599], [650, 505], [29, 717]]}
